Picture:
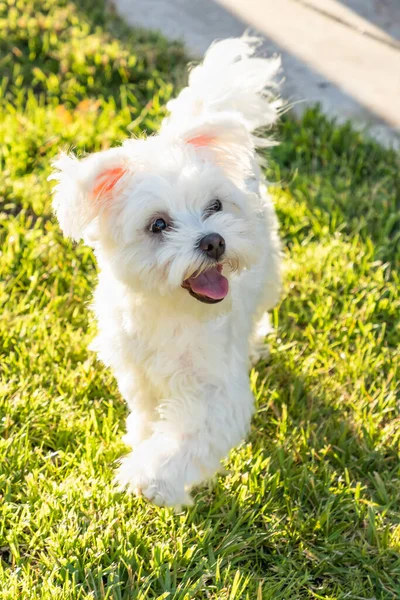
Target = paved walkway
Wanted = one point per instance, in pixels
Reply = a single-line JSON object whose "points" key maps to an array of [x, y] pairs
{"points": [[344, 54]]}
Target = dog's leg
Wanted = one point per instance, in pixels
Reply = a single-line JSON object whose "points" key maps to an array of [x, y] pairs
{"points": [[258, 348], [138, 427], [142, 404], [187, 443]]}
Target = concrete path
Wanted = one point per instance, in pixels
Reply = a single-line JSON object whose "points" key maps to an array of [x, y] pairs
{"points": [[344, 54]]}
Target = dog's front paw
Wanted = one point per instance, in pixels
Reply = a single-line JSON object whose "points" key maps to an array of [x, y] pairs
{"points": [[163, 492], [149, 475]]}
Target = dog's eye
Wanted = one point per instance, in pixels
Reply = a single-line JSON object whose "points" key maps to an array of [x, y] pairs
{"points": [[158, 226], [214, 206]]}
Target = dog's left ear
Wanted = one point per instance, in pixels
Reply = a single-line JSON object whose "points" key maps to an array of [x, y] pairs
{"points": [[87, 187], [226, 141]]}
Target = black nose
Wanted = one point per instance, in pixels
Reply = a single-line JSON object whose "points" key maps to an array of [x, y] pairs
{"points": [[213, 245]]}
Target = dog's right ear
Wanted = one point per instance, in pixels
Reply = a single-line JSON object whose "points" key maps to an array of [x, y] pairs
{"points": [[87, 187]]}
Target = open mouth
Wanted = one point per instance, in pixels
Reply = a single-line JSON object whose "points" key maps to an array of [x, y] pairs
{"points": [[209, 287]]}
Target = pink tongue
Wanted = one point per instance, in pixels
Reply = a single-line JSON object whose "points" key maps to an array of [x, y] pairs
{"points": [[210, 283]]}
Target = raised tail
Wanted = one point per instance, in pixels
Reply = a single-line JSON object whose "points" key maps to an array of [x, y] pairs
{"points": [[231, 79]]}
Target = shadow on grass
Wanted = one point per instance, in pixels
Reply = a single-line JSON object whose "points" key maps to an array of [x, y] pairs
{"points": [[315, 496], [347, 181]]}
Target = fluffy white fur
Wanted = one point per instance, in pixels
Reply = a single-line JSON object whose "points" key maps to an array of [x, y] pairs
{"points": [[182, 365]]}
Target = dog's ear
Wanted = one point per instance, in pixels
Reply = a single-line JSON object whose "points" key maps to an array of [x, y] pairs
{"points": [[226, 141], [87, 187]]}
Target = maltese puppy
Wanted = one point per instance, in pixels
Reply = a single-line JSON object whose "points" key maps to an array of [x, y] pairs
{"points": [[186, 239]]}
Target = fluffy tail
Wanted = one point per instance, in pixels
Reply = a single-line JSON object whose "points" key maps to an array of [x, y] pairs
{"points": [[231, 80]]}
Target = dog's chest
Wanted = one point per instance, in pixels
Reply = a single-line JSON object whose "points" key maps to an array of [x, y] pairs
{"points": [[166, 346]]}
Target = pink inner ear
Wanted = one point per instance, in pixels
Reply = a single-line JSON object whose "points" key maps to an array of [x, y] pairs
{"points": [[106, 181], [201, 140]]}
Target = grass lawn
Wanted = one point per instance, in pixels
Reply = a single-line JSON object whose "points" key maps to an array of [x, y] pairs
{"points": [[311, 507]]}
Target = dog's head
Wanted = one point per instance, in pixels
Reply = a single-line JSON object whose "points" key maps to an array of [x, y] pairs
{"points": [[168, 215]]}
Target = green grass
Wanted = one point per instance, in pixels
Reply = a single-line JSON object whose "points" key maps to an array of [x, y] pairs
{"points": [[311, 507]]}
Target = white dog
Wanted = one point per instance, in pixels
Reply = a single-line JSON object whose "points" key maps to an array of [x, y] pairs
{"points": [[187, 244]]}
